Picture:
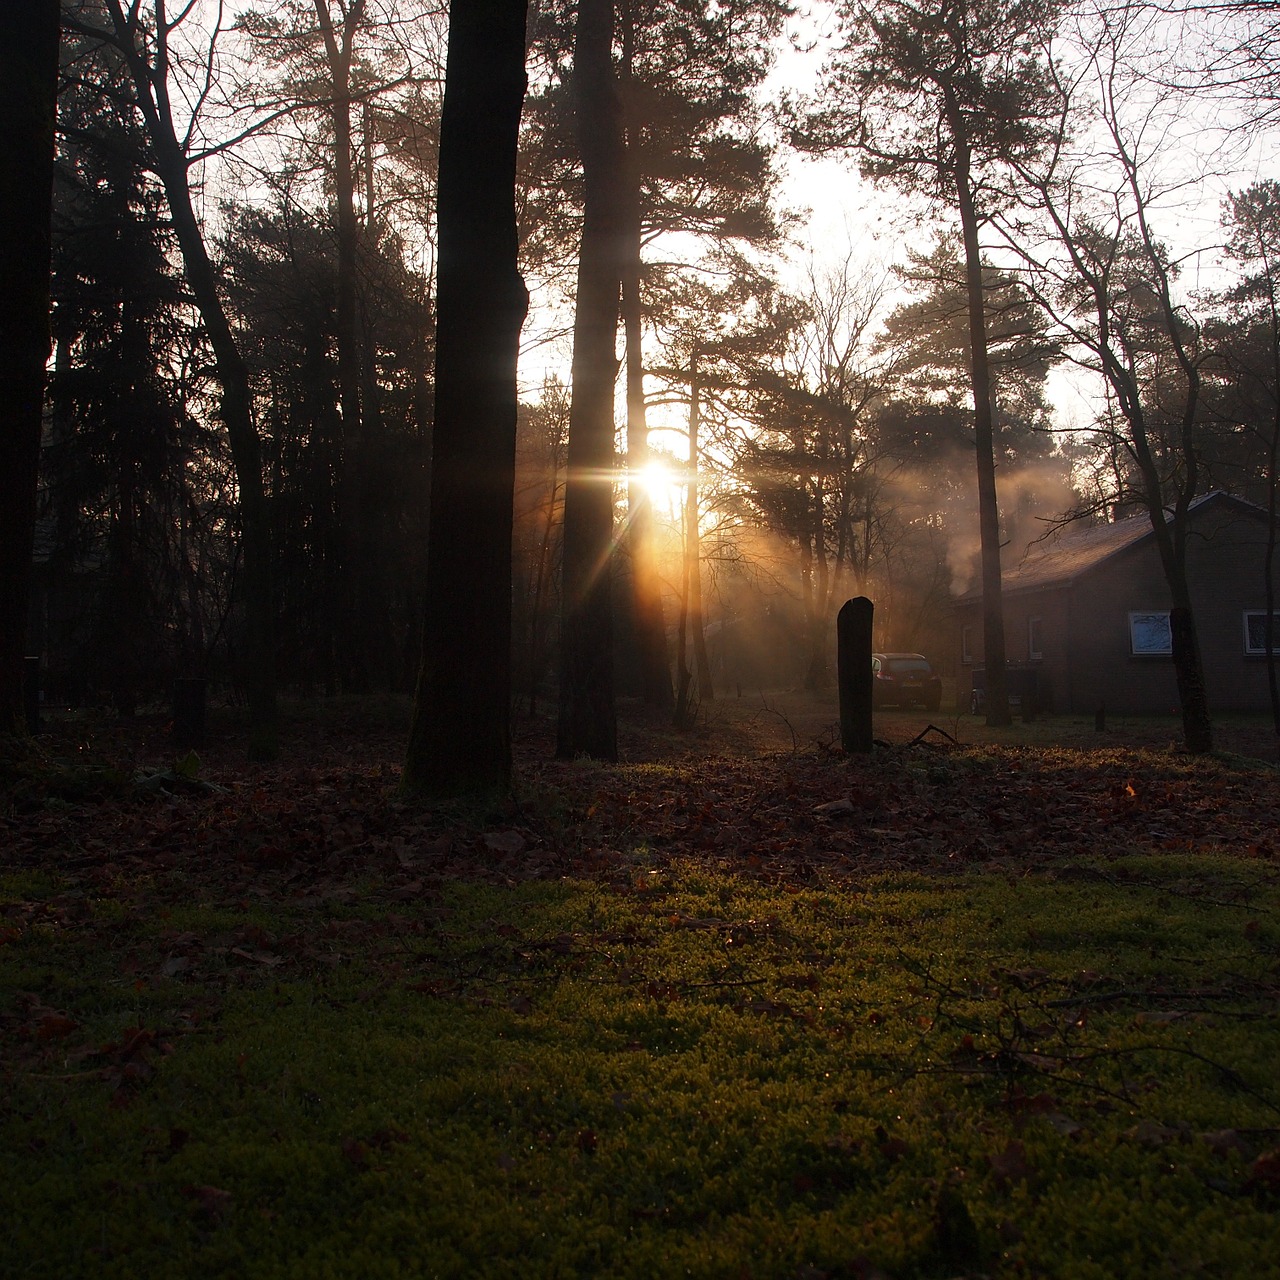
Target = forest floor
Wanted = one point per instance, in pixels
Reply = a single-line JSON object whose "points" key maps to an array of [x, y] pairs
{"points": [[986, 1002]]}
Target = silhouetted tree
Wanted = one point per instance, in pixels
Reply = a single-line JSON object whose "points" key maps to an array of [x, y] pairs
{"points": [[28, 89], [695, 162], [1248, 353], [460, 736], [1112, 285], [348, 73], [938, 98], [142, 35], [278, 263], [588, 719], [126, 456]]}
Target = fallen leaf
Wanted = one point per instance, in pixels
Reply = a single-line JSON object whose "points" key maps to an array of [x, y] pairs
{"points": [[52, 1025], [1264, 1172], [1160, 1017], [1222, 1142], [890, 1148], [1064, 1125], [1150, 1133], [1011, 1164], [212, 1202], [508, 843], [834, 807]]}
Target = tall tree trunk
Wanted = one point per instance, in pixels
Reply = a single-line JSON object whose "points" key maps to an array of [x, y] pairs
{"points": [[150, 80], [685, 709], [352, 630], [646, 581], [693, 538], [28, 91], [1171, 543], [538, 619], [460, 736], [1171, 535], [588, 720], [1273, 513], [817, 675], [984, 434]]}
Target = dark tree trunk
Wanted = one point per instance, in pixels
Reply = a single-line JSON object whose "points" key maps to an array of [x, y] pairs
{"points": [[588, 720], [460, 737], [993, 650], [1273, 512], [259, 672], [690, 694], [646, 582], [353, 518], [1269, 562], [1171, 543], [28, 89], [147, 57], [693, 538]]}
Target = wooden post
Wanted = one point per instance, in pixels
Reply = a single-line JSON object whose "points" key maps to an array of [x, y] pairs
{"points": [[853, 666], [1100, 718]]}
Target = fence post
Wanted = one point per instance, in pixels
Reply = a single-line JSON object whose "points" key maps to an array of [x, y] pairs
{"points": [[853, 667]]}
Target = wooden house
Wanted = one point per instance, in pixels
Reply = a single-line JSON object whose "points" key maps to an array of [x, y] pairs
{"points": [[1087, 615]]}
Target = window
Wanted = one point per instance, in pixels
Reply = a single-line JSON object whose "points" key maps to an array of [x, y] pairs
{"points": [[966, 644], [1149, 634], [1255, 631], [1034, 650]]}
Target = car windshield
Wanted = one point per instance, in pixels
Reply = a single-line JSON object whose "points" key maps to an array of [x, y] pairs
{"points": [[908, 666]]}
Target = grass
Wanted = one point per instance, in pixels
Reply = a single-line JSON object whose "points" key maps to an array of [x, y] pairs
{"points": [[681, 1072]]}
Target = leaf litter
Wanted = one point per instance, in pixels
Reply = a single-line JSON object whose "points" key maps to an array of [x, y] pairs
{"points": [[325, 846]]}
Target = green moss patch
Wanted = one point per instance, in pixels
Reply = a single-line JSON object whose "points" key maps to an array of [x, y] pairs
{"points": [[679, 1072]]}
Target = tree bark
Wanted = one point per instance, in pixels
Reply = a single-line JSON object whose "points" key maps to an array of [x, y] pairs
{"points": [[588, 719], [352, 626], [646, 582], [983, 431], [1171, 536], [460, 736], [693, 538], [1273, 512], [28, 93]]}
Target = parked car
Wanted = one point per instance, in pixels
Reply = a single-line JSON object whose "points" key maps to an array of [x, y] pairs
{"points": [[901, 679]]}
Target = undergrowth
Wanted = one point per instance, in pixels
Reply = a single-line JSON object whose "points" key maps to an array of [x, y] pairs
{"points": [[679, 1072]]}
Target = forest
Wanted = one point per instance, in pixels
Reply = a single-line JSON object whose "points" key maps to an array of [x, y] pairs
{"points": [[1055, 299], [435, 445]]}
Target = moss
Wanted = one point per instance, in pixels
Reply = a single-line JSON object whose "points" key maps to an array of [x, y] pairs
{"points": [[712, 1077]]}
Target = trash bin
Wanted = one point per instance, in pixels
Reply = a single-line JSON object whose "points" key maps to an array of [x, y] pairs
{"points": [[978, 694], [1022, 680]]}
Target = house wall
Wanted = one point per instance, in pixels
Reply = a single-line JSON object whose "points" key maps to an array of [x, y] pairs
{"points": [[1102, 670], [1225, 565], [1087, 658]]}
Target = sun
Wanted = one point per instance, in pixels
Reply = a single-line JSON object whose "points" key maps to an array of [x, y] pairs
{"points": [[662, 483]]}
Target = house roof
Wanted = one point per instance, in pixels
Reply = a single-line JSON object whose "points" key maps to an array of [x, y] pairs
{"points": [[1061, 559]]}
